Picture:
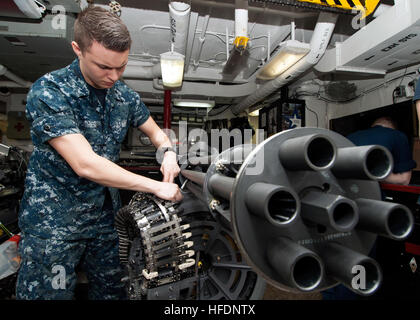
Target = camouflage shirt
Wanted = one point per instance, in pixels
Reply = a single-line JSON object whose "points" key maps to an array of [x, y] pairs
{"points": [[57, 202]]}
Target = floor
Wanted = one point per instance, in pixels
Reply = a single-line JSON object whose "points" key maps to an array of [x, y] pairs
{"points": [[272, 293]]}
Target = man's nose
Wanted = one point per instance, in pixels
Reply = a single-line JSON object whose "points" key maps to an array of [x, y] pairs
{"points": [[114, 75]]}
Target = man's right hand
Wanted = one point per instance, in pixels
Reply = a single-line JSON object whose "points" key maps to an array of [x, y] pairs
{"points": [[169, 191]]}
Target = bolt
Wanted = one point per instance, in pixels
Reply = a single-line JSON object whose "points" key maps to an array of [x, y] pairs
{"points": [[219, 166], [214, 204]]}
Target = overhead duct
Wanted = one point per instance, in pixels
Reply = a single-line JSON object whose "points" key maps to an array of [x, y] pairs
{"points": [[320, 39], [389, 42]]}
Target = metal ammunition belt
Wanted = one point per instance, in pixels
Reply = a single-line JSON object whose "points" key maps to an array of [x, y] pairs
{"points": [[166, 252]]}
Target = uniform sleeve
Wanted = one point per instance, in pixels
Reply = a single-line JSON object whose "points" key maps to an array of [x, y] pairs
{"points": [[403, 159], [140, 113], [50, 114]]}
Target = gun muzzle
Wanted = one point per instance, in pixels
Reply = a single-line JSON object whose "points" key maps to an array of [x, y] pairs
{"points": [[298, 266], [310, 152], [277, 204], [365, 162]]}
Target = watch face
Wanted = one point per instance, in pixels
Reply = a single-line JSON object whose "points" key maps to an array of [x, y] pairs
{"points": [[144, 139]]}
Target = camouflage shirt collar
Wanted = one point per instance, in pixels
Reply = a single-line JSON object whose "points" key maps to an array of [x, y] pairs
{"points": [[83, 88]]}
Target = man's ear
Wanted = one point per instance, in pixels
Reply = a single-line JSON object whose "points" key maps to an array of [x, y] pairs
{"points": [[76, 49]]}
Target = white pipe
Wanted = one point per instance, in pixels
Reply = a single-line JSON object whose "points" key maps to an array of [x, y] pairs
{"points": [[292, 30], [320, 39], [241, 18], [11, 84], [201, 41], [17, 80], [133, 71], [179, 14]]}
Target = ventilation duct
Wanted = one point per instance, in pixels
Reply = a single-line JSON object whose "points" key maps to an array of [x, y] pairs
{"points": [[389, 42]]}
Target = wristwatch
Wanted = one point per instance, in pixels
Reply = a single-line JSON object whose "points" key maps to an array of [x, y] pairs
{"points": [[165, 149]]}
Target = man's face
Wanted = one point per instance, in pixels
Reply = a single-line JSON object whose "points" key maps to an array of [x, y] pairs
{"points": [[101, 67]]}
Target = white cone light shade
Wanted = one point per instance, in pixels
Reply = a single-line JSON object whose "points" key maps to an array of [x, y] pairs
{"points": [[172, 65], [290, 52]]}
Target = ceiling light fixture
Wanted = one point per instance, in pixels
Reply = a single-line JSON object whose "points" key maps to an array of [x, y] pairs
{"points": [[209, 104], [172, 65], [290, 53]]}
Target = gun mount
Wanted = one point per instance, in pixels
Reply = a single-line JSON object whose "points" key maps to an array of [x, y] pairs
{"points": [[303, 207]]}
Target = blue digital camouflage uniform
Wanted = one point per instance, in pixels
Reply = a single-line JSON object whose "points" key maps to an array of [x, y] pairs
{"points": [[62, 216]]}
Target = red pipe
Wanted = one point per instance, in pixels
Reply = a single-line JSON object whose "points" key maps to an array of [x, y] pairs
{"points": [[167, 110]]}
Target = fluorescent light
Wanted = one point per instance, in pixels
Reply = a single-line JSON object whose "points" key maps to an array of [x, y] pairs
{"points": [[193, 103], [290, 52], [172, 65]]}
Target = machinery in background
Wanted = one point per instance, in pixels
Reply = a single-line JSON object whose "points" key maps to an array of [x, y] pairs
{"points": [[301, 210], [13, 166]]}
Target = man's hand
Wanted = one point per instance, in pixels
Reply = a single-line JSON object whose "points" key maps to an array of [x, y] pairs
{"points": [[169, 191], [169, 167]]}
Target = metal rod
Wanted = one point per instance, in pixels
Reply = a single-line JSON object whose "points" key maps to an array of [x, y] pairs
{"points": [[194, 176], [196, 191], [221, 186]]}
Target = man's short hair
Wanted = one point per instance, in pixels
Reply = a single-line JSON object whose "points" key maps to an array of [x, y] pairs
{"points": [[387, 121], [103, 26]]}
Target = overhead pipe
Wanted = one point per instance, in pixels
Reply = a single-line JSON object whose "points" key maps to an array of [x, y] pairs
{"points": [[241, 18], [133, 71], [179, 15], [319, 42], [238, 56], [19, 82], [201, 40]]}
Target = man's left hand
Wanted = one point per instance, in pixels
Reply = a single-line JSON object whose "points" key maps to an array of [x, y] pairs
{"points": [[169, 167]]}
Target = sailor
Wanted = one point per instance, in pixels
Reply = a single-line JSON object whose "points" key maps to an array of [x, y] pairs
{"points": [[79, 117]]}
